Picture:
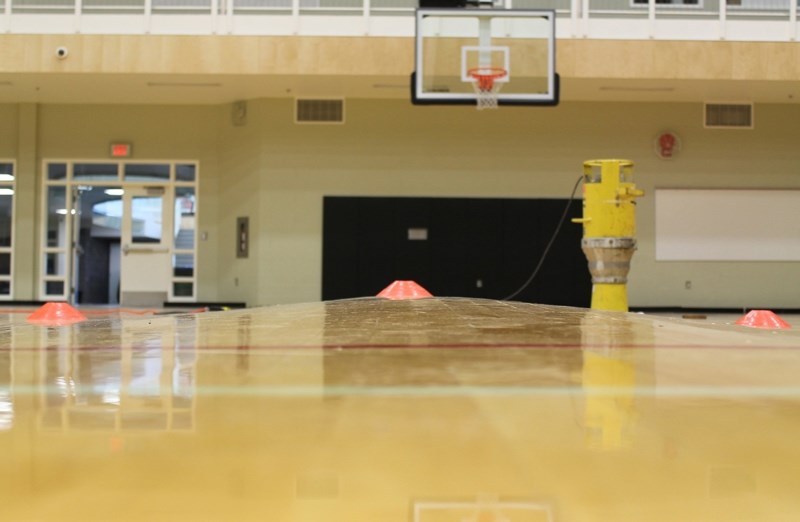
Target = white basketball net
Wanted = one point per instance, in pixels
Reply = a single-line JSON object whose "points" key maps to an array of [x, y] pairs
{"points": [[487, 98], [486, 89]]}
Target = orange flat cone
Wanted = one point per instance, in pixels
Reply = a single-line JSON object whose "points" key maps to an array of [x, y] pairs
{"points": [[56, 314], [763, 319], [404, 290]]}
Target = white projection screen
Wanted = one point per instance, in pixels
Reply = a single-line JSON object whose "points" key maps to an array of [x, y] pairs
{"points": [[727, 225]]}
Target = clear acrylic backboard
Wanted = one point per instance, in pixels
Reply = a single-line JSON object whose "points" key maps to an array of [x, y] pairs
{"points": [[461, 51]]}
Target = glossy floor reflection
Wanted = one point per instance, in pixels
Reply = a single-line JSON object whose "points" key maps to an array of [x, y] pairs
{"points": [[435, 410]]}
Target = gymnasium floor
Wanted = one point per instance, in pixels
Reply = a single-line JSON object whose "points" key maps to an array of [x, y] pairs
{"points": [[430, 410]]}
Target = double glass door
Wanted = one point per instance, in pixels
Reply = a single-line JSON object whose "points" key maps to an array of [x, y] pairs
{"points": [[128, 243]]}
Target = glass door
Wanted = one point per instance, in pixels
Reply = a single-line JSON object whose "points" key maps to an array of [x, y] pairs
{"points": [[146, 242]]}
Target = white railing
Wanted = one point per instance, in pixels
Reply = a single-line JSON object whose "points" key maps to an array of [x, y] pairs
{"points": [[767, 20]]}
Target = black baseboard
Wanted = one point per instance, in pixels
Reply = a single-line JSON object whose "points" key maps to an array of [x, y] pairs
{"points": [[709, 310], [215, 306], [194, 304]]}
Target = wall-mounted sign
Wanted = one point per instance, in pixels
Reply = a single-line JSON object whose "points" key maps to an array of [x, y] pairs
{"points": [[120, 150]]}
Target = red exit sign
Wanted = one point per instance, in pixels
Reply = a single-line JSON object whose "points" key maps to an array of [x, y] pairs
{"points": [[120, 150]]}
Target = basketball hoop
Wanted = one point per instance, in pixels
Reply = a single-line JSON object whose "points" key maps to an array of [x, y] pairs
{"points": [[486, 88]]}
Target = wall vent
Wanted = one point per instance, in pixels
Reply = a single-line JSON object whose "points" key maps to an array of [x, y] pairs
{"points": [[728, 115], [319, 111]]}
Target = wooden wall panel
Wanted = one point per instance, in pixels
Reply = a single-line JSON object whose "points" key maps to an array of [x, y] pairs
{"points": [[374, 56]]}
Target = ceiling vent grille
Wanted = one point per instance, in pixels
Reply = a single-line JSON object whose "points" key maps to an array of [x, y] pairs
{"points": [[729, 115], [319, 111]]}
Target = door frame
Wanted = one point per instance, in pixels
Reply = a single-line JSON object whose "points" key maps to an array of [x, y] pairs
{"points": [[55, 262]]}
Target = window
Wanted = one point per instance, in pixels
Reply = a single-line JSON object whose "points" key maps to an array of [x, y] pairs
{"points": [[184, 240], [7, 189]]}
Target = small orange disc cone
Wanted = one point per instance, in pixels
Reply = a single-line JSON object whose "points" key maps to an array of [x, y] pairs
{"points": [[56, 314], [404, 290], [763, 319]]}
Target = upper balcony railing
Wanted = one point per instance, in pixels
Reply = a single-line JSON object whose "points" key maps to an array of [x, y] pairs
{"points": [[749, 20]]}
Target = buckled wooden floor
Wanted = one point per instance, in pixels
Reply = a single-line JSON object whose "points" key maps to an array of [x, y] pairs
{"points": [[428, 410]]}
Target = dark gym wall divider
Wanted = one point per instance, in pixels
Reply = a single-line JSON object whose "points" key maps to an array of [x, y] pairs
{"points": [[466, 247]]}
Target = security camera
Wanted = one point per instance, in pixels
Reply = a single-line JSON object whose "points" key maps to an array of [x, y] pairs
{"points": [[62, 52]]}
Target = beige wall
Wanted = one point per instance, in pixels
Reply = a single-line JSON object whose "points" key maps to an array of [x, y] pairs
{"points": [[8, 130], [85, 132], [276, 172], [240, 178], [392, 148]]}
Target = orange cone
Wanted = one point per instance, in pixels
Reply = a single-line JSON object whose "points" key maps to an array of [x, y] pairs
{"points": [[56, 314], [404, 290], [763, 319]]}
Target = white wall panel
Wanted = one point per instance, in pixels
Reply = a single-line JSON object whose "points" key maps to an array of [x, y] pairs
{"points": [[727, 225]]}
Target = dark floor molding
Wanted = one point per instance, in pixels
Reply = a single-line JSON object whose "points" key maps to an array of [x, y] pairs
{"points": [[213, 306], [682, 310]]}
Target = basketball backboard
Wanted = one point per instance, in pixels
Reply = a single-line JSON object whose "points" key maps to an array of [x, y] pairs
{"points": [[461, 51]]}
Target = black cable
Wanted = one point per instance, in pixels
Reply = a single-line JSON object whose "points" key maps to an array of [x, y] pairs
{"points": [[549, 244]]}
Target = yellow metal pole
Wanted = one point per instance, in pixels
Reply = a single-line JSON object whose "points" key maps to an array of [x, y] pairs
{"points": [[609, 227]]}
